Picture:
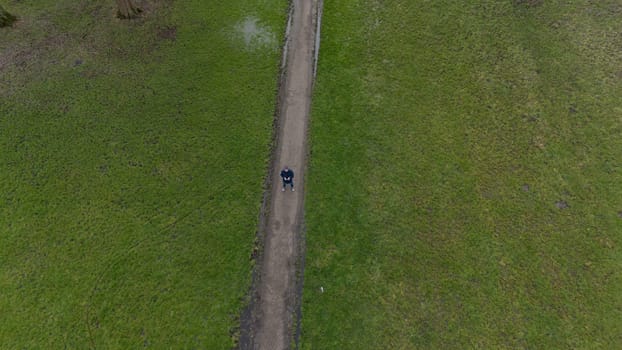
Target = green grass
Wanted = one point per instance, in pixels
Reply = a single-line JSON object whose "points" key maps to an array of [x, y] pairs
{"points": [[444, 135], [131, 169]]}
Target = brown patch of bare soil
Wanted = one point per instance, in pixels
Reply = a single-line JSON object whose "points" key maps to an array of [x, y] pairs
{"points": [[168, 33]]}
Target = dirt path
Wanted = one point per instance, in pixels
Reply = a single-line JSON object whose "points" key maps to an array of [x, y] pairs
{"points": [[275, 300]]}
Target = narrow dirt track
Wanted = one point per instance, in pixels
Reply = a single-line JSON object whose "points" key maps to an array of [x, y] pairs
{"points": [[274, 302]]}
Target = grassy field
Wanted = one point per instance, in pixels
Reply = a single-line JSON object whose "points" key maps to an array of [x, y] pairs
{"points": [[132, 157], [465, 181]]}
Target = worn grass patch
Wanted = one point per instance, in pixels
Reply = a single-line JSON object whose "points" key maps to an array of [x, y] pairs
{"points": [[131, 169], [464, 187]]}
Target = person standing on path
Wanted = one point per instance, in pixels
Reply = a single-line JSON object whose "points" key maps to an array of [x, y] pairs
{"points": [[287, 175]]}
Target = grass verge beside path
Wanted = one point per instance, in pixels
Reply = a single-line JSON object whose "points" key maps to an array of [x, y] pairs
{"points": [[133, 157], [464, 189]]}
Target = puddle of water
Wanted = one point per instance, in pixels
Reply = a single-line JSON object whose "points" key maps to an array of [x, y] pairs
{"points": [[254, 34]]}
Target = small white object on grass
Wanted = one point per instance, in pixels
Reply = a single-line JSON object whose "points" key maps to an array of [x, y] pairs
{"points": [[322, 289]]}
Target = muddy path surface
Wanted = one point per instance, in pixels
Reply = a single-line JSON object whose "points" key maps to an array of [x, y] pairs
{"points": [[271, 320]]}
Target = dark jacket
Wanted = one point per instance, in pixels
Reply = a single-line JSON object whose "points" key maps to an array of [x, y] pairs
{"points": [[287, 175]]}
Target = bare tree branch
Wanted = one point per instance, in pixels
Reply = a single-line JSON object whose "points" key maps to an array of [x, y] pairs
{"points": [[6, 19], [127, 10]]}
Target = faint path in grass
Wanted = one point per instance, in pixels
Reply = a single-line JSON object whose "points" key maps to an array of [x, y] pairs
{"points": [[275, 298], [91, 307]]}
